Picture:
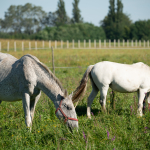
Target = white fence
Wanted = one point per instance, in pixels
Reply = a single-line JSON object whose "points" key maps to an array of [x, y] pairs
{"points": [[96, 44]]}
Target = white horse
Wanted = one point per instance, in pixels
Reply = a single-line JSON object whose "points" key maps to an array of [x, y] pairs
{"points": [[25, 78], [122, 78]]}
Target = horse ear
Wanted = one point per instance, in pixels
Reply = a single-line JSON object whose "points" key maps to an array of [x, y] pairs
{"points": [[65, 93], [70, 96]]}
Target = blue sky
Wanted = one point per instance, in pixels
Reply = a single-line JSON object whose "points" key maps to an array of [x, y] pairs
{"points": [[92, 11]]}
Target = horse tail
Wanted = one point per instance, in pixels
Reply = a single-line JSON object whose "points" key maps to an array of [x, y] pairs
{"points": [[81, 89]]}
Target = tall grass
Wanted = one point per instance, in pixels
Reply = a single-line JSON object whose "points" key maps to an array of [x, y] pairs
{"points": [[117, 129]]}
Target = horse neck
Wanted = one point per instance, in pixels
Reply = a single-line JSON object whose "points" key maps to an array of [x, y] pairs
{"points": [[48, 84]]}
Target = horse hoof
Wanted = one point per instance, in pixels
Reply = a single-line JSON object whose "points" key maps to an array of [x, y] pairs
{"points": [[89, 117]]}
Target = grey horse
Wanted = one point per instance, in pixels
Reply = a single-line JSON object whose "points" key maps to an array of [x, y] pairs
{"points": [[24, 78]]}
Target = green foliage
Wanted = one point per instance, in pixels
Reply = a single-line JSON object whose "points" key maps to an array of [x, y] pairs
{"points": [[83, 31], [140, 30]]}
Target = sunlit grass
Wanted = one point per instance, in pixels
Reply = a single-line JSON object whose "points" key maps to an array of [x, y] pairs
{"points": [[117, 129]]}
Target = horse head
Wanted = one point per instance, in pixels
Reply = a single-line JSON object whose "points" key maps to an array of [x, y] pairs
{"points": [[66, 111]]}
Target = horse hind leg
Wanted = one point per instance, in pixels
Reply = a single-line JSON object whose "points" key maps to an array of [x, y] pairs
{"points": [[147, 96], [141, 95], [90, 100], [103, 94], [113, 100]]}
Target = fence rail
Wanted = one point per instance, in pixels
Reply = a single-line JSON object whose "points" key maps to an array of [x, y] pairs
{"points": [[18, 45]]}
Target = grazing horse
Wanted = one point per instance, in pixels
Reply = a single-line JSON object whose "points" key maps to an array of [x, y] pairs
{"points": [[25, 78], [123, 78]]}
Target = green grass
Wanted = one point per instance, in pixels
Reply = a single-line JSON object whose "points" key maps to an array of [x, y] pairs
{"points": [[118, 129]]}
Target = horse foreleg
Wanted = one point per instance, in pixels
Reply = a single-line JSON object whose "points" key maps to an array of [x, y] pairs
{"points": [[141, 95], [26, 106], [33, 103], [90, 101]]}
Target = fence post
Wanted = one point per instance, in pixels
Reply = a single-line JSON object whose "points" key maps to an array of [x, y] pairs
{"points": [[118, 43], [78, 43], [127, 43], [67, 44], [49, 44], [135, 43], [114, 43], [22, 46], [55, 44], [104, 43], [0, 46], [73, 44], [53, 61], [43, 44], [84, 43], [15, 46], [61, 44], [148, 43], [109, 43], [140, 43], [94, 43], [8, 46], [132, 43], [123, 42], [29, 45], [99, 43], [144, 43], [89, 43], [35, 45]]}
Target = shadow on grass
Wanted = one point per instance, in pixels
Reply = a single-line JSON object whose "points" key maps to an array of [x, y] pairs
{"points": [[82, 110]]}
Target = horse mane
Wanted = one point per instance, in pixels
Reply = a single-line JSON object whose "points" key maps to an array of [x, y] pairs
{"points": [[50, 73], [81, 89]]}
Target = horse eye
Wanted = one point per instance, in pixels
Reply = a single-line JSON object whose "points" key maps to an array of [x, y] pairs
{"points": [[68, 107]]}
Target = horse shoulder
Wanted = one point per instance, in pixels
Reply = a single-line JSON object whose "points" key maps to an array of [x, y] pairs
{"points": [[28, 72]]}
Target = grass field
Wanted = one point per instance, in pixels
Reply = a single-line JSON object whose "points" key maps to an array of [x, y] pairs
{"points": [[119, 129]]}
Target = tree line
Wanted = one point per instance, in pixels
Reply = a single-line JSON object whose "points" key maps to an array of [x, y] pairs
{"points": [[32, 22]]}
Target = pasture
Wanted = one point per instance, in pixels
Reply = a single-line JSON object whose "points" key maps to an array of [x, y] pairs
{"points": [[117, 129]]}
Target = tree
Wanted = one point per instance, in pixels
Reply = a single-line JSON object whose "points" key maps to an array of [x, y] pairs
{"points": [[76, 12], [116, 22], [140, 30], [119, 20], [27, 18], [108, 23], [50, 20], [32, 18], [61, 14]]}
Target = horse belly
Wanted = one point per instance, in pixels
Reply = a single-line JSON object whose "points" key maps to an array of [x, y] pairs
{"points": [[124, 87], [9, 94]]}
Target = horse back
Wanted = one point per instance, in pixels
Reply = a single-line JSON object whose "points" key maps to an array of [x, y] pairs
{"points": [[123, 77]]}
